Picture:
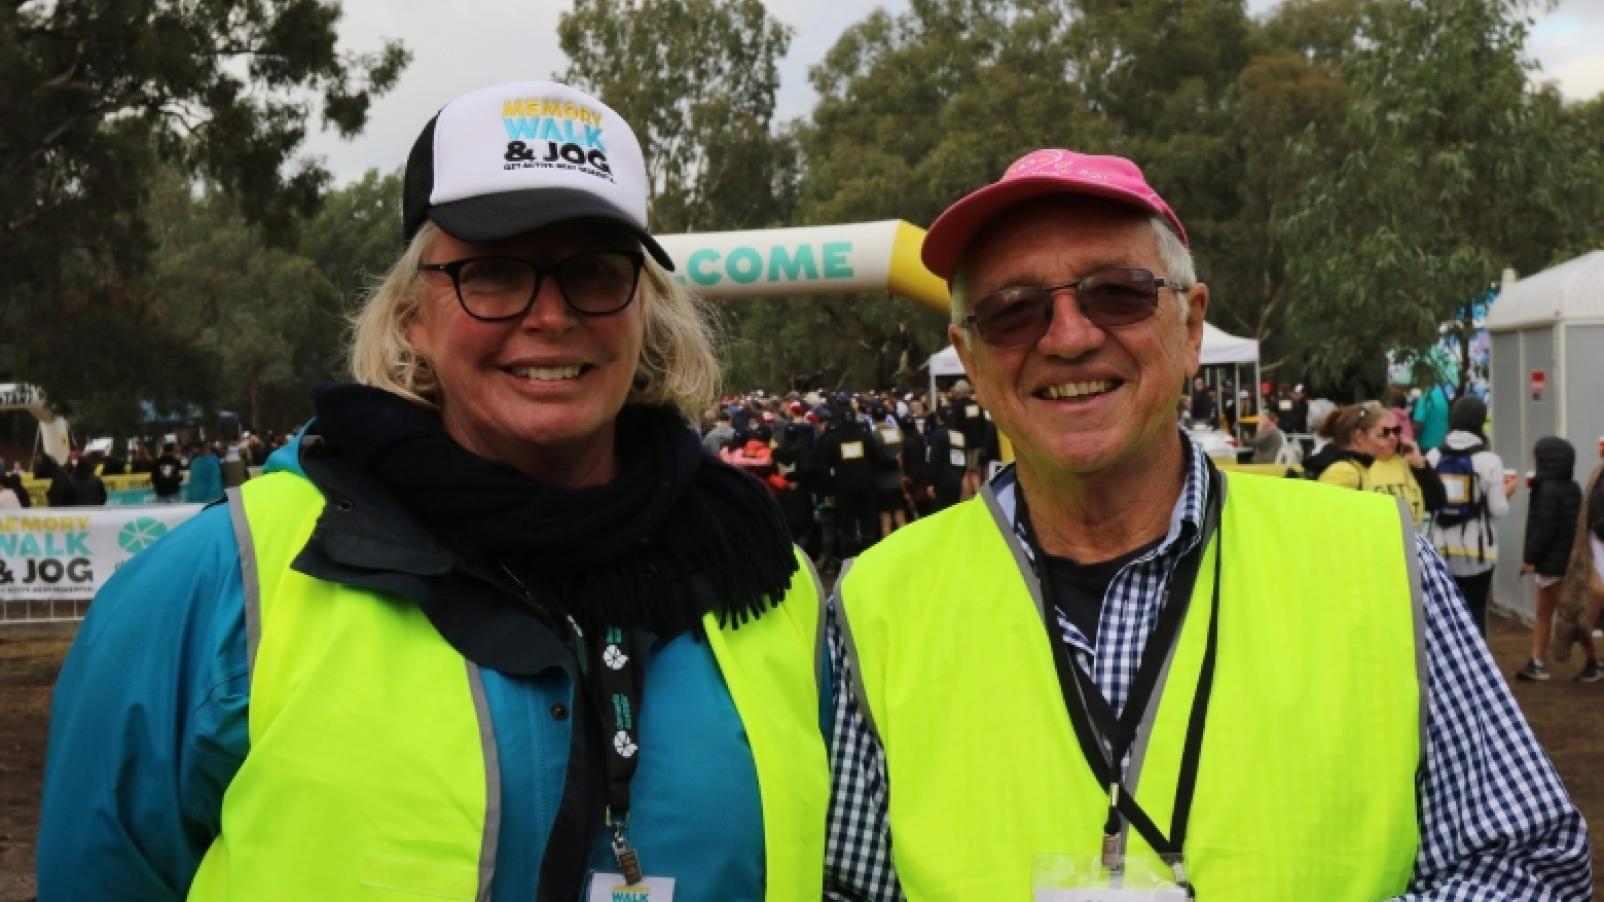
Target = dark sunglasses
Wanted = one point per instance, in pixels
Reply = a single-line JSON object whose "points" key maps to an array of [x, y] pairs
{"points": [[1108, 298], [1392, 431], [497, 289]]}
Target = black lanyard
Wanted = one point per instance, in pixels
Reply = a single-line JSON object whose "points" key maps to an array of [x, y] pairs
{"points": [[1106, 739], [609, 676], [609, 669]]}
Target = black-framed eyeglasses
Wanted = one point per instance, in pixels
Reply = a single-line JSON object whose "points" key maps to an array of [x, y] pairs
{"points": [[1109, 298], [497, 289]]}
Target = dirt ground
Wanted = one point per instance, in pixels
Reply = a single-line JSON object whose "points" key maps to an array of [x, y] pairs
{"points": [[1568, 718]]}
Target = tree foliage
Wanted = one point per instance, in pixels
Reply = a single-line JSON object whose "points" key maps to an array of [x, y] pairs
{"points": [[696, 80], [1446, 167], [1350, 171], [95, 96]]}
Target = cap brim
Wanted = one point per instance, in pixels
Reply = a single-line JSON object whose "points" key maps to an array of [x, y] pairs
{"points": [[951, 232], [493, 217]]}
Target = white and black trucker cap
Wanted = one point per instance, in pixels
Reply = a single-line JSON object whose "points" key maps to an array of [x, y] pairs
{"points": [[504, 160]]}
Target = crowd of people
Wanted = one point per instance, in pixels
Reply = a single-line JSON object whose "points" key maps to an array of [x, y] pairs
{"points": [[195, 472], [850, 468], [1435, 456]]}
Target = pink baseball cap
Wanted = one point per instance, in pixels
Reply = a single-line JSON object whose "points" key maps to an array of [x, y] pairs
{"points": [[1040, 173]]}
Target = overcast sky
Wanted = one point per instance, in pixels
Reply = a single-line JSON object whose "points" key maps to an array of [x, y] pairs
{"points": [[507, 40]]}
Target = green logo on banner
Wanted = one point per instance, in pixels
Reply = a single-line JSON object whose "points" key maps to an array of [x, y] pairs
{"points": [[140, 533]]}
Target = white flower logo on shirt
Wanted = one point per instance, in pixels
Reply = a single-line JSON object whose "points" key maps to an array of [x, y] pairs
{"points": [[625, 746]]}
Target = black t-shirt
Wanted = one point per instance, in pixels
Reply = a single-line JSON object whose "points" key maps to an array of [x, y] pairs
{"points": [[168, 476], [1078, 589], [971, 421]]}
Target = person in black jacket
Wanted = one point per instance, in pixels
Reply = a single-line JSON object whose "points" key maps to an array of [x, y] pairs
{"points": [[849, 455], [1551, 515], [167, 477], [944, 460]]}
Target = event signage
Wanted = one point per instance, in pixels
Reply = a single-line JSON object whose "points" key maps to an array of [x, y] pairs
{"points": [[68, 553], [862, 256]]}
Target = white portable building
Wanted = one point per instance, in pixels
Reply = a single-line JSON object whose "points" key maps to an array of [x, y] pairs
{"points": [[1547, 379]]}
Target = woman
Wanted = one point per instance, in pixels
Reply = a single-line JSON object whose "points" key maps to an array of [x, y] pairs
{"points": [[1552, 513], [474, 635], [1388, 465], [1476, 492], [1338, 430]]}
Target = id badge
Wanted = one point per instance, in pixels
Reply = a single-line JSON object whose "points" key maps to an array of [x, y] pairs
{"points": [[612, 888], [1083, 878]]}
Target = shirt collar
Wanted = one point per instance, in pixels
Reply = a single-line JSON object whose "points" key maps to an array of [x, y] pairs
{"points": [[1186, 517]]}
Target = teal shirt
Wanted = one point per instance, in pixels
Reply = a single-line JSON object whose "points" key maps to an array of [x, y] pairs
{"points": [[1431, 412]]}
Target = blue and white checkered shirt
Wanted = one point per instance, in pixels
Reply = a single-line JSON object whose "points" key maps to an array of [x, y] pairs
{"points": [[1495, 821]]}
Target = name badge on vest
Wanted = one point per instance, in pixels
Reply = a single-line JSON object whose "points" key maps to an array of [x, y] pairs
{"points": [[613, 888], [1085, 878]]}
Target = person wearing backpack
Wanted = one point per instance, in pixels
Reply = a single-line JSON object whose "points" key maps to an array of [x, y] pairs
{"points": [[1476, 491]]}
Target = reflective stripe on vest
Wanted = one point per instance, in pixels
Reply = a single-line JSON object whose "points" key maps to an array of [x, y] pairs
{"points": [[1314, 728], [391, 783]]}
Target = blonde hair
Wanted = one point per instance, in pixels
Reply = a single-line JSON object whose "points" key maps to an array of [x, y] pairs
{"points": [[677, 365]]}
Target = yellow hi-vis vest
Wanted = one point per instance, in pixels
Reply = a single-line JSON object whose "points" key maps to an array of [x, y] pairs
{"points": [[1305, 787], [372, 770]]}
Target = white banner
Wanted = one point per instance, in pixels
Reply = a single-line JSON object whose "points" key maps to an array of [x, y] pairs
{"points": [[68, 553]]}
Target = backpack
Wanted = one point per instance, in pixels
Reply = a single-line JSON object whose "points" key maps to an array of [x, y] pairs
{"points": [[1464, 500]]}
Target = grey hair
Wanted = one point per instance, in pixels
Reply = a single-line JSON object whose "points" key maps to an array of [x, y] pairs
{"points": [[677, 364], [1172, 254]]}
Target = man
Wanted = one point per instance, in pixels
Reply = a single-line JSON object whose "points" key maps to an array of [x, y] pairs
{"points": [[167, 477], [969, 420], [1294, 412], [1267, 438], [849, 456], [945, 461], [1202, 403], [719, 437], [1086, 679]]}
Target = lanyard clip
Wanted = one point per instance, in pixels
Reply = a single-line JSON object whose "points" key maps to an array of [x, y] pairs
{"points": [[1113, 860], [1178, 866], [626, 856]]}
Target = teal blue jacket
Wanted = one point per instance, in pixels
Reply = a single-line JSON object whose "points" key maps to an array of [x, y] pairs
{"points": [[148, 726]]}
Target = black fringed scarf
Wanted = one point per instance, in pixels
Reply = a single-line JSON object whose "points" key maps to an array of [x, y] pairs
{"points": [[675, 535]]}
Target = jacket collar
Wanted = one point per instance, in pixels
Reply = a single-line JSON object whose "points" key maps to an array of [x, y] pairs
{"points": [[366, 539], [363, 525]]}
